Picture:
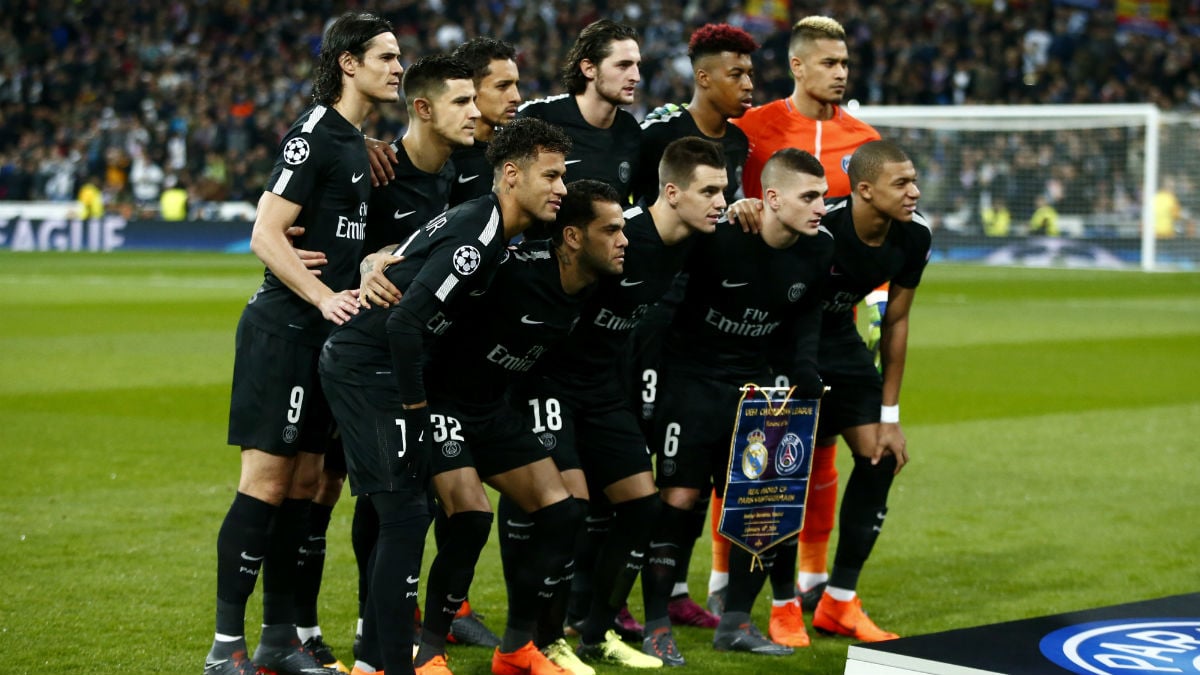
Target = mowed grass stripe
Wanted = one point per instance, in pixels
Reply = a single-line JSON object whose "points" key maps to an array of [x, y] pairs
{"points": [[109, 363], [993, 381], [936, 323]]}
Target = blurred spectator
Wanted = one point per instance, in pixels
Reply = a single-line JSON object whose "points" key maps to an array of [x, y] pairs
{"points": [[1044, 221], [91, 199], [173, 203], [1167, 211], [146, 178], [997, 221]]}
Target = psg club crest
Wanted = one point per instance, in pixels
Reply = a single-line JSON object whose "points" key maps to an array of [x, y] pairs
{"points": [[769, 465], [789, 455]]}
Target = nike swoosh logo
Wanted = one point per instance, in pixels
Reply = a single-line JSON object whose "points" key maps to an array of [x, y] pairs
{"points": [[467, 179], [356, 177], [451, 598], [572, 161], [630, 282], [730, 284], [660, 544], [513, 523], [251, 558], [412, 580], [397, 215], [213, 664], [550, 582], [477, 293], [531, 322]]}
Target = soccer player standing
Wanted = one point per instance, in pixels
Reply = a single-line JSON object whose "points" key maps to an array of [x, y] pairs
{"points": [[724, 88], [527, 311], [880, 238], [812, 116], [601, 74], [581, 412], [439, 92], [373, 369], [742, 289], [494, 67], [811, 119], [278, 414]]}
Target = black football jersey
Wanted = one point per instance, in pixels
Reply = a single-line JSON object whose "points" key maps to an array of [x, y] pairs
{"points": [[740, 291], [409, 201], [473, 174], [587, 359], [322, 166], [452, 257], [659, 132], [504, 332], [609, 155], [857, 269]]}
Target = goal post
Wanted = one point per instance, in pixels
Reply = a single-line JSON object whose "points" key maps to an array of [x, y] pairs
{"points": [[1062, 185]]}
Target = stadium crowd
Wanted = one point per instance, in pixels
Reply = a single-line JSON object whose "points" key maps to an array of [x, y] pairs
{"points": [[143, 96]]}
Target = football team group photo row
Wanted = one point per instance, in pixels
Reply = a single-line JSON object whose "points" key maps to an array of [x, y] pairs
{"points": [[625, 328]]}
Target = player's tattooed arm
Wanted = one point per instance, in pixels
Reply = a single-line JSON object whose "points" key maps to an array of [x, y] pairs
{"points": [[375, 288]]}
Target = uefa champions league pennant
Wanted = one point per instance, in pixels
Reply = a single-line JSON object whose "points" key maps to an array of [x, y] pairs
{"points": [[770, 460]]}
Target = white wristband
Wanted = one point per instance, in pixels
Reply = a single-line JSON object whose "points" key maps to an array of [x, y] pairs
{"points": [[889, 414]]}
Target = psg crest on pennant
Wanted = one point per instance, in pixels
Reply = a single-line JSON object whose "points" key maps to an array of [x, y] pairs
{"points": [[769, 465]]}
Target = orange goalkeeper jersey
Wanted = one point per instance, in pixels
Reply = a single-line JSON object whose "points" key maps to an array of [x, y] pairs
{"points": [[777, 125]]}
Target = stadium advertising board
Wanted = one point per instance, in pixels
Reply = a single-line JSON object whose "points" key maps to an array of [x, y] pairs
{"points": [[115, 233]]}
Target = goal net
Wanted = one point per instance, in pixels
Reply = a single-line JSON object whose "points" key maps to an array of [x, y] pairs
{"points": [[1054, 185]]}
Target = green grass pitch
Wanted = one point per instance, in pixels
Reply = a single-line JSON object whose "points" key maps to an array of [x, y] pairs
{"points": [[1050, 416]]}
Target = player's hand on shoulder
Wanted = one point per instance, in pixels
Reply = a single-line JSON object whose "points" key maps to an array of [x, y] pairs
{"points": [[747, 213], [340, 307], [382, 157]]}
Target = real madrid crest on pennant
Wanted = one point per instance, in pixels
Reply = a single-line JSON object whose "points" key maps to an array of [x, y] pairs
{"points": [[754, 457]]}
